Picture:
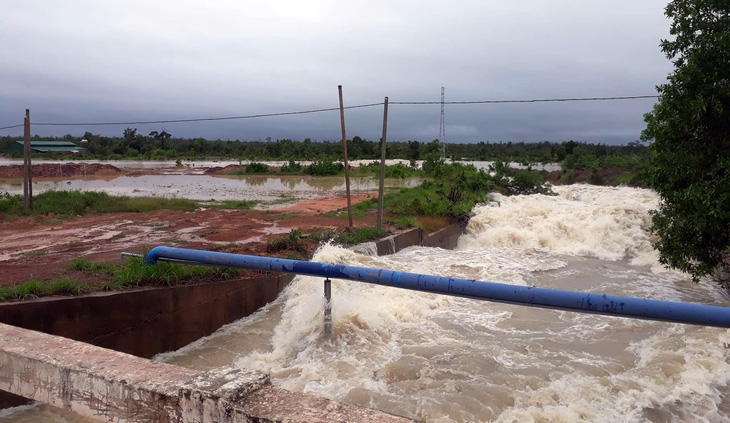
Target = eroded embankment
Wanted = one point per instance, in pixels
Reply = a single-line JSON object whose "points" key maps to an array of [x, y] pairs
{"points": [[61, 170]]}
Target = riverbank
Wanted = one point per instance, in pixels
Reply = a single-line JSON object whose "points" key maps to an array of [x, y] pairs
{"points": [[39, 248]]}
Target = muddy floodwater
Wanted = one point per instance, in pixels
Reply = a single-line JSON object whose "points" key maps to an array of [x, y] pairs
{"points": [[219, 188], [445, 359], [203, 164]]}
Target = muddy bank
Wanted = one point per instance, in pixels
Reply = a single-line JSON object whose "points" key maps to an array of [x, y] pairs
{"points": [[39, 247], [603, 176], [60, 170]]}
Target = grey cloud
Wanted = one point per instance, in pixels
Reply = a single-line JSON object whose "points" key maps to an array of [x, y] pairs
{"points": [[102, 61]]}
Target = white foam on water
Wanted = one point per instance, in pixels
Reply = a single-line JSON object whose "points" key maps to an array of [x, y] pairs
{"points": [[604, 222], [445, 359], [678, 377]]}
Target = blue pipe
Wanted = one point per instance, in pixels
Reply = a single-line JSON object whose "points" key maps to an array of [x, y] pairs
{"points": [[610, 305]]}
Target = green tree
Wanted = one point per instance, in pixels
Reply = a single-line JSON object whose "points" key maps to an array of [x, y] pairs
{"points": [[690, 129], [414, 152], [130, 133]]}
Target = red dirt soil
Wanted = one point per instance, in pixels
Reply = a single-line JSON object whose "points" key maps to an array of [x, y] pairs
{"points": [[39, 247], [65, 170]]}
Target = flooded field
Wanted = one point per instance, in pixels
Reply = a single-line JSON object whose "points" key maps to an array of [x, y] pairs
{"points": [[219, 188], [189, 180], [166, 179]]}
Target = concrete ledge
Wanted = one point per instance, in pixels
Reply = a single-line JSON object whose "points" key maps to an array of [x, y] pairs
{"points": [[148, 321], [113, 386], [446, 238]]}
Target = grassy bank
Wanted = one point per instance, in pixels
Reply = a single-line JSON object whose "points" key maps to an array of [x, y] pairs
{"points": [[135, 273], [79, 203], [113, 277], [66, 204], [34, 288], [85, 276]]}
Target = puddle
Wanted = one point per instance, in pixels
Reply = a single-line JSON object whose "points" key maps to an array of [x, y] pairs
{"points": [[49, 238]]}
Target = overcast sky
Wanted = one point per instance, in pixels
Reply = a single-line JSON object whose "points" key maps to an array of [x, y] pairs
{"points": [[92, 61]]}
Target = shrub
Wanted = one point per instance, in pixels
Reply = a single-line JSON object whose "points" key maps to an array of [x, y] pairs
{"points": [[256, 168], [405, 222], [291, 242], [596, 178], [324, 168], [525, 183], [322, 235], [292, 167]]}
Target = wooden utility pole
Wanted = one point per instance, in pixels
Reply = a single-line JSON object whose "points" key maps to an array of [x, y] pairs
{"points": [[27, 172], [381, 187], [344, 153]]}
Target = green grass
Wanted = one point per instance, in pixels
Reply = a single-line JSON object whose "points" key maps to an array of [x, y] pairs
{"points": [[396, 171], [135, 273], [358, 235], [359, 210], [252, 168], [34, 288], [405, 222], [79, 203], [322, 235], [291, 242], [23, 291], [65, 286], [94, 268]]}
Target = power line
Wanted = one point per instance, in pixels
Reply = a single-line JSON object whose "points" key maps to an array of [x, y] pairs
{"points": [[331, 109], [545, 100], [11, 127], [145, 122]]}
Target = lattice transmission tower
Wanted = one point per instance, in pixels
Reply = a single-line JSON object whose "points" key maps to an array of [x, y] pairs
{"points": [[442, 128]]}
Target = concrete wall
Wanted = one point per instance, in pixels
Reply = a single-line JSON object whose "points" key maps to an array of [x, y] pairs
{"points": [[444, 238], [151, 321], [143, 322], [148, 321], [111, 386]]}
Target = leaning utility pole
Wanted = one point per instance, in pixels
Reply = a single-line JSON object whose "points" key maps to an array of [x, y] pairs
{"points": [[344, 153], [27, 172], [381, 187]]}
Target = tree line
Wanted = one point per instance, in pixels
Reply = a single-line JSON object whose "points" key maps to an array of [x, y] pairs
{"points": [[161, 145]]}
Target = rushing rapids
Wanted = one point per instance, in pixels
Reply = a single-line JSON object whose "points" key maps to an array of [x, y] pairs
{"points": [[446, 359]]}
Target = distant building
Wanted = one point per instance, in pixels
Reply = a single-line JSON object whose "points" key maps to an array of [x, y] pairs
{"points": [[62, 147]]}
